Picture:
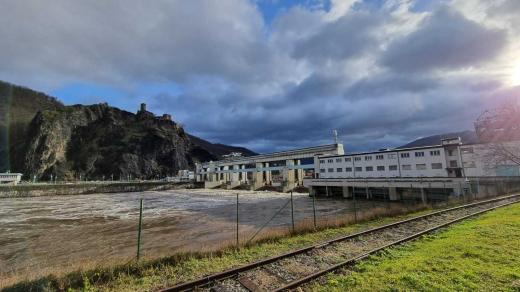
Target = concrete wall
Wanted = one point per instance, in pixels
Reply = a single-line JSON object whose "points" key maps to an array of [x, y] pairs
{"points": [[38, 190], [371, 165]]}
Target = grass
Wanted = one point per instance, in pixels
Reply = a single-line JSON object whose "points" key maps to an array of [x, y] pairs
{"points": [[155, 274], [482, 254]]}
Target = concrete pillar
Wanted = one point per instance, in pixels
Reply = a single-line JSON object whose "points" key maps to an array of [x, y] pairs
{"points": [[234, 174], [258, 177], [244, 173], [234, 177], [366, 191], [268, 175], [227, 178], [312, 191], [347, 193], [392, 193], [288, 175], [300, 173], [423, 196]]}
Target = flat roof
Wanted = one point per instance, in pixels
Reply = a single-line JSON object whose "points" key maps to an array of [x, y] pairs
{"points": [[386, 151], [279, 153]]}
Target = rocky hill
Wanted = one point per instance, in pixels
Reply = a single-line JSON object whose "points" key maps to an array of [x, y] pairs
{"points": [[39, 136]]}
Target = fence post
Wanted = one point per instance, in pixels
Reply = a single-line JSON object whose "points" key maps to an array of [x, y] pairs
{"points": [[314, 209], [354, 199], [237, 223], [292, 212], [139, 230]]}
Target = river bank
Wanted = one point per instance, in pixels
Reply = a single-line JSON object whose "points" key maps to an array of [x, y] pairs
{"points": [[39, 190]]}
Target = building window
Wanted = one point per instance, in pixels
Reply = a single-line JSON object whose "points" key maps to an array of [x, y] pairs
{"points": [[466, 150], [392, 167], [391, 156], [338, 159], [380, 157], [347, 159], [421, 166], [419, 154], [322, 170], [322, 161], [380, 168], [348, 169], [407, 167], [358, 168], [436, 165], [330, 160], [469, 164], [453, 163], [369, 168], [450, 152], [435, 153], [405, 155], [357, 158], [367, 158], [331, 170], [339, 169]]}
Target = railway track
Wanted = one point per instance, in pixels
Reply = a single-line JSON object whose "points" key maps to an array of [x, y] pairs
{"points": [[293, 269]]}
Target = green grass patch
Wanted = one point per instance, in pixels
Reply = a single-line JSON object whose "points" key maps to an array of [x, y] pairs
{"points": [[481, 254]]}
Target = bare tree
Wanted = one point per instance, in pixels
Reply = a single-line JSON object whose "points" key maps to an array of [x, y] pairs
{"points": [[503, 153]]}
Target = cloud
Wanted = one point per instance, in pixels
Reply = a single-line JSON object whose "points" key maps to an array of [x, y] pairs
{"points": [[379, 74], [445, 40], [346, 37], [128, 41]]}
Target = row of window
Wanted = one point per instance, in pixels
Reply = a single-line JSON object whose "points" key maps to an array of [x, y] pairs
{"points": [[420, 166], [382, 157]]}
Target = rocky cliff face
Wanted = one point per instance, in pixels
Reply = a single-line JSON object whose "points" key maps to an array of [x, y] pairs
{"points": [[98, 141]]}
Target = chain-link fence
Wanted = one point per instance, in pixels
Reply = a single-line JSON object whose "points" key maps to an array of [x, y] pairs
{"points": [[55, 234]]}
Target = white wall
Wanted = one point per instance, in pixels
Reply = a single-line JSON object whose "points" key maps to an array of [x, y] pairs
{"points": [[389, 158]]}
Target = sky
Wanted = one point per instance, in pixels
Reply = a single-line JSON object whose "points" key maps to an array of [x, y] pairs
{"points": [[272, 75]]}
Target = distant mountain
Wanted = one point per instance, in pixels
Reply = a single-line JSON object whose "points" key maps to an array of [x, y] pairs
{"points": [[39, 136], [220, 149], [468, 137]]}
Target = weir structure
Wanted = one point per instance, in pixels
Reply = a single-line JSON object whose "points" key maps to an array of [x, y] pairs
{"points": [[285, 169]]}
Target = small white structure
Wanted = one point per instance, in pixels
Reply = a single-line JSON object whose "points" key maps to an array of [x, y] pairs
{"points": [[10, 178], [186, 175]]}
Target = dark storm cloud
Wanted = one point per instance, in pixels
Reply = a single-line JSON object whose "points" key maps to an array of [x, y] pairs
{"points": [[446, 39], [379, 85], [346, 37]]}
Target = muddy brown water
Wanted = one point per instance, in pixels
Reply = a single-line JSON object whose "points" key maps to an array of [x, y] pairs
{"points": [[46, 233]]}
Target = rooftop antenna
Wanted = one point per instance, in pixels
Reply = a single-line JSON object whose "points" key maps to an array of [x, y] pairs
{"points": [[335, 133]]}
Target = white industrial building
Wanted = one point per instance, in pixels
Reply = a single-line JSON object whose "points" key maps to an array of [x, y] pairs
{"points": [[450, 167], [284, 169], [450, 159]]}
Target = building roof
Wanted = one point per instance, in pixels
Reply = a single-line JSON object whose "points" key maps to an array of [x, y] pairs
{"points": [[280, 153], [384, 151]]}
